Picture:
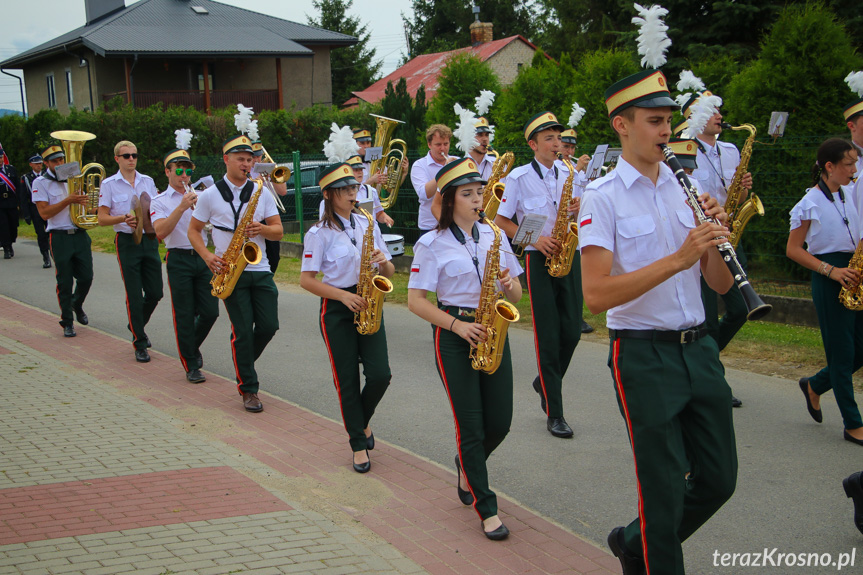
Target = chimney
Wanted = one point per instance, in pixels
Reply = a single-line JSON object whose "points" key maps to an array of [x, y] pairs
{"points": [[480, 32], [96, 9]]}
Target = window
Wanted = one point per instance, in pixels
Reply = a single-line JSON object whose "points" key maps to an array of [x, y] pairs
{"points": [[69, 97], [52, 99]]}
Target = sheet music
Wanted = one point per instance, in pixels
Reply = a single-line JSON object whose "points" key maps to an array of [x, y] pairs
{"points": [[67, 170], [263, 168], [373, 154], [778, 120], [368, 205], [593, 169], [529, 229]]}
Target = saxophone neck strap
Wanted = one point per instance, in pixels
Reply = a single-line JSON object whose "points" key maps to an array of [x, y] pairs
{"points": [[474, 234], [228, 195], [825, 189], [341, 225], [535, 165]]}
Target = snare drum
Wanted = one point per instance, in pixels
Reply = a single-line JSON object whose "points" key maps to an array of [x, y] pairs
{"points": [[395, 244]]}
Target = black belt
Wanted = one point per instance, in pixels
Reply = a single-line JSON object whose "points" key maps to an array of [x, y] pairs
{"points": [[683, 336], [459, 311], [69, 232], [352, 289], [186, 251]]}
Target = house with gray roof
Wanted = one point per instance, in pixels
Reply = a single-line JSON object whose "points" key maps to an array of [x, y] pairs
{"points": [[197, 53]]}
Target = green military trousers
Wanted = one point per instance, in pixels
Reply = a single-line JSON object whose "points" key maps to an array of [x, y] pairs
{"points": [[73, 269], [723, 330], [141, 270], [842, 335], [677, 409], [193, 307], [344, 344], [556, 307], [481, 407], [253, 308]]}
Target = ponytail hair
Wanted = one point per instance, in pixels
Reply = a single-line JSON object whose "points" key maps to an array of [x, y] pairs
{"points": [[831, 151]]}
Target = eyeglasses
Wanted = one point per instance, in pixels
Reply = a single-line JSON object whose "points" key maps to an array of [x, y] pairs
{"points": [[179, 171], [127, 156]]}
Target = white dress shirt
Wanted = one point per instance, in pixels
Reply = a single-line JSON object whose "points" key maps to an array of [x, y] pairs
{"points": [[53, 192], [332, 252], [534, 189], [116, 194], [716, 167], [422, 171], [827, 231], [161, 207]]}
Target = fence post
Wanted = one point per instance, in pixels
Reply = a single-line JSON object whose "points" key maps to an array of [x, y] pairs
{"points": [[298, 193]]}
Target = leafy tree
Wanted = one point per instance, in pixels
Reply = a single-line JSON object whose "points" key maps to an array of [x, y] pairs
{"points": [[460, 81], [398, 104], [352, 67]]}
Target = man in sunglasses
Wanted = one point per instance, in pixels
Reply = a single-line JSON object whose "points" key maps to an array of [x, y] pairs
{"points": [[195, 309], [140, 266]]}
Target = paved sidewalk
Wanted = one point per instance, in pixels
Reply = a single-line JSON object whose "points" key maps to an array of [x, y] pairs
{"points": [[109, 466]]}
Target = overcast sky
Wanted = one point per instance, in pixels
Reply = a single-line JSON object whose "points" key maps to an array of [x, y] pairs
{"points": [[26, 27]]}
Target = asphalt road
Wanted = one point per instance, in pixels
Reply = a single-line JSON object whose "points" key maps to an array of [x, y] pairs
{"points": [[789, 493]]}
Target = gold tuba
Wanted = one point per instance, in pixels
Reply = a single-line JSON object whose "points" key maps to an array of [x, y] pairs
{"points": [[739, 215], [852, 298], [241, 251], [84, 216], [392, 154], [371, 287], [565, 230], [493, 311], [493, 191]]}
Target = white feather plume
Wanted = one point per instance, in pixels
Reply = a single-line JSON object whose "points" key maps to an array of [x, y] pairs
{"points": [[855, 82], [577, 114], [341, 144], [465, 130], [491, 135], [653, 40], [702, 110], [484, 102], [681, 99], [243, 118], [689, 81], [184, 138], [253, 131]]}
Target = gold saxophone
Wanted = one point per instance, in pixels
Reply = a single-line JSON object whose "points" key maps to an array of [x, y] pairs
{"points": [[852, 298], [84, 216], [739, 215], [493, 191], [493, 311], [394, 151], [565, 230], [241, 251], [371, 287]]}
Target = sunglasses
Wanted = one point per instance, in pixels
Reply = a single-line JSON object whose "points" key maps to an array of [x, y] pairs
{"points": [[188, 171], [127, 156]]}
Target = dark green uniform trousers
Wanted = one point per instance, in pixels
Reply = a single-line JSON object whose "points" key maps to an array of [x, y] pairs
{"points": [[556, 306], [723, 330], [481, 407], [193, 307], [141, 270], [842, 335], [344, 344], [253, 308], [677, 409], [73, 267]]}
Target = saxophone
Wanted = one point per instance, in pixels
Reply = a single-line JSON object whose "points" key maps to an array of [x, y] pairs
{"points": [[739, 215], [370, 286], [565, 230], [493, 311], [241, 251], [493, 191], [852, 298]]}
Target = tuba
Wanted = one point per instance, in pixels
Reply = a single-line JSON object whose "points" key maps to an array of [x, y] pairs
{"points": [[565, 230], [392, 154], [493, 191], [493, 311], [739, 215], [241, 251], [85, 216], [370, 286], [852, 298]]}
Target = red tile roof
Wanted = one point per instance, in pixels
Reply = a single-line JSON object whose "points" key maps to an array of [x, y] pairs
{"points": [[424, 70]]}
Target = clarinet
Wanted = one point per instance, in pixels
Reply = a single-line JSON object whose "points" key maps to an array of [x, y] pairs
{"points": [[755, 306]]}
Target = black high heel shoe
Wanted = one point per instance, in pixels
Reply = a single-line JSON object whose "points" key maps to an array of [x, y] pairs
{"points": [[466, 497], [498, 534], [804, 387], [363, 467], [370, 441]]}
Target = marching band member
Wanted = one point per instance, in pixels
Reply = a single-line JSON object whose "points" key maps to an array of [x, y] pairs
{"points": [[449, 262], [69, 244], [193, 307], [365, 193], [555, 303], [274, 250], [8, 205], [829, 222], [29, 211], [334, 248], [424, 170], [363, 139], [853, 113], [642, 257], [253, 307], [140, 265], [479, 154]]}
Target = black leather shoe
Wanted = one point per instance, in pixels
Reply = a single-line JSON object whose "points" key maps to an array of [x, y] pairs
{"points": [[586, 327], [363, 467], [7, 254], [142, 356], [195, 376], [81, 316], [854, 490], [46, 260], [147, 337], [370, 441], [537, 387], [11, 251], [630, 563], [69, 331], [466, 497], [804, 387], [736, 402], [851, 438], [498, 534], [558, 427], [200, 359], [252, 403]]}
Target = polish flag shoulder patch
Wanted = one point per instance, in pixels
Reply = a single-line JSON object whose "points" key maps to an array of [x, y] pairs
{"points": [[307, 255], [585, 220], [152, 214], [415, 268]]}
